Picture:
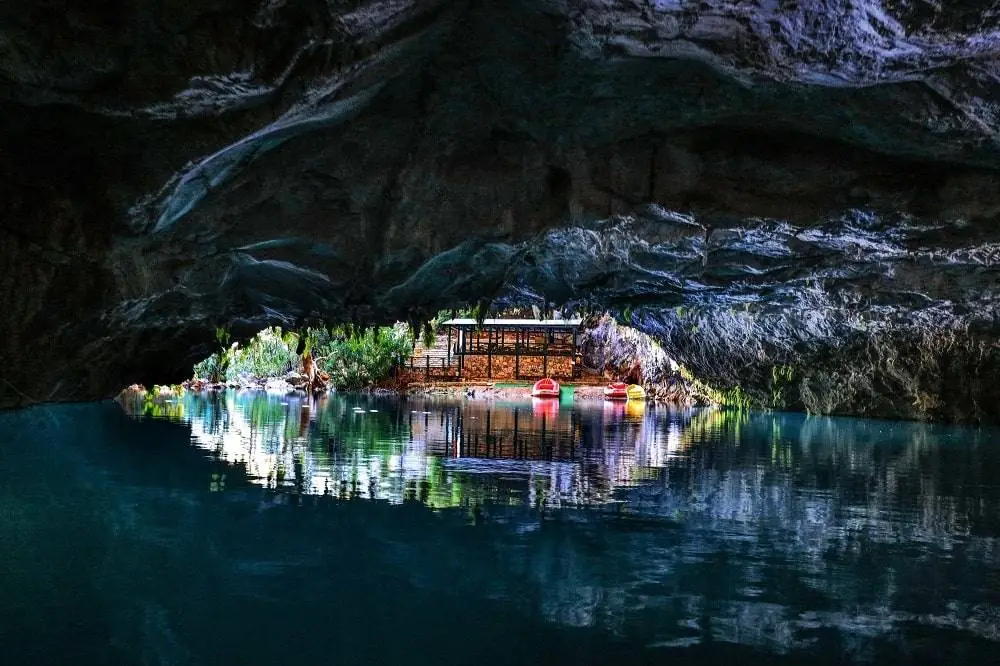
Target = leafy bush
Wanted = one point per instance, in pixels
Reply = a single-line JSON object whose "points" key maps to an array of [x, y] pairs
{"points": [[214, 367], [354, 360], [359, 360], [269, 354]]}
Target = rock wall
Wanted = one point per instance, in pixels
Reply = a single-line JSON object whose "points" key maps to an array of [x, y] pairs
{"points": [[877, 367], [166, 169]]}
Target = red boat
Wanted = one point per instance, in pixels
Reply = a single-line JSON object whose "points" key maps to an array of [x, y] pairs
{"points": [[545, 407], [616, 391], [545, 388]]}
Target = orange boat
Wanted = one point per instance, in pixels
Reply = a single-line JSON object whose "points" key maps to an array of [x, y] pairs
{"points": [[545, 388], [616, 391]]}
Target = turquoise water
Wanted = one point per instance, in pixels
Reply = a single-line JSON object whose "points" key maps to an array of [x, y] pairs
{"points": [[255, 529]]}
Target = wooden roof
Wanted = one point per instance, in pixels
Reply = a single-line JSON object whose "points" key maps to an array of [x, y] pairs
{"points": [[515, 323]]}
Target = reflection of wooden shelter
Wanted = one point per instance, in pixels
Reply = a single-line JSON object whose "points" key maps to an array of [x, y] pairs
{"points": [[514, 348], [516, 433]]}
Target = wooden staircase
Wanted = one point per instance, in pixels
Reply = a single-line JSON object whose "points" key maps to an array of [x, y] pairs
{"points": [[441, 367]]}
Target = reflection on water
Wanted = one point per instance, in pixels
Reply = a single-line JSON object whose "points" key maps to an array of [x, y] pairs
{"points": [[441, 453], [359, 530]]}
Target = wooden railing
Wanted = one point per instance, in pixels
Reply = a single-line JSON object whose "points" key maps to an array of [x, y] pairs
{"points": [[431, 368]]}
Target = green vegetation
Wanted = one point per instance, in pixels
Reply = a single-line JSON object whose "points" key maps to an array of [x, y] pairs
{"points": [[429, 334], [268, 354], [781, 379], [353, 358], [362, 359], [216, 366], [735, 398], [481, 311]]}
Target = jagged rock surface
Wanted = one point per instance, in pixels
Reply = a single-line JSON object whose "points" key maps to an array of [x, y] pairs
{"points": [[814, 183]]}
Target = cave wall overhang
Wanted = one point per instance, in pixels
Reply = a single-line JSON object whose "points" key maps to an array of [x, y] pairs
{"points": [[828, 171]]}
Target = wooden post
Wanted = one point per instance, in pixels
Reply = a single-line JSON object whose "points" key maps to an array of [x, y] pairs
{"points": [[575, 371], [427, 372], [515, 432], [517, 359], [545, 355], [449, 345], [489, 355]]}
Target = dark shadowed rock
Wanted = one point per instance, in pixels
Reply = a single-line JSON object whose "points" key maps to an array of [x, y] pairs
{"points": [[806, 185]]}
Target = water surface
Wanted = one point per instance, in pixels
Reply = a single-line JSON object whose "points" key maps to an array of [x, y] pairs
{"points": [[256, 529]]}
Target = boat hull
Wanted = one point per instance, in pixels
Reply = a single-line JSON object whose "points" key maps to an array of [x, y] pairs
{"points": [[635, 392], [616, 391], [545, 388]]}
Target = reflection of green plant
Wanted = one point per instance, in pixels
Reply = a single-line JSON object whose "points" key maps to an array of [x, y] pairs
{"points": [[359, 453], [262, 411], [162, 405], [706, 425]]}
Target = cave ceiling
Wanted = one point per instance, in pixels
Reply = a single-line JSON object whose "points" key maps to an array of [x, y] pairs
{"points": [[173, 166]]}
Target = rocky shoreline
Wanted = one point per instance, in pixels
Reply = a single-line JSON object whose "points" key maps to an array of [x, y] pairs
{"points": [[674, 393], [293, 385], [290, 383]]}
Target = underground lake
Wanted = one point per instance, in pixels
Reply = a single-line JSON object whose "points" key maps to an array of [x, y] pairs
{"points": [[249, 528], [325, 251]]}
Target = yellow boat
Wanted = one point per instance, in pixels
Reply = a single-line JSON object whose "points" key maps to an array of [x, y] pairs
{"points": [[636, 392]]}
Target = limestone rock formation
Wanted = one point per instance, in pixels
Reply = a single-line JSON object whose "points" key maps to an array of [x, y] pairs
{"points": [[762, 185]]}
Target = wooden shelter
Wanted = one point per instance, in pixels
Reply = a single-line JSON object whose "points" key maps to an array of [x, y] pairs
{"points": [[514, 348]]}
